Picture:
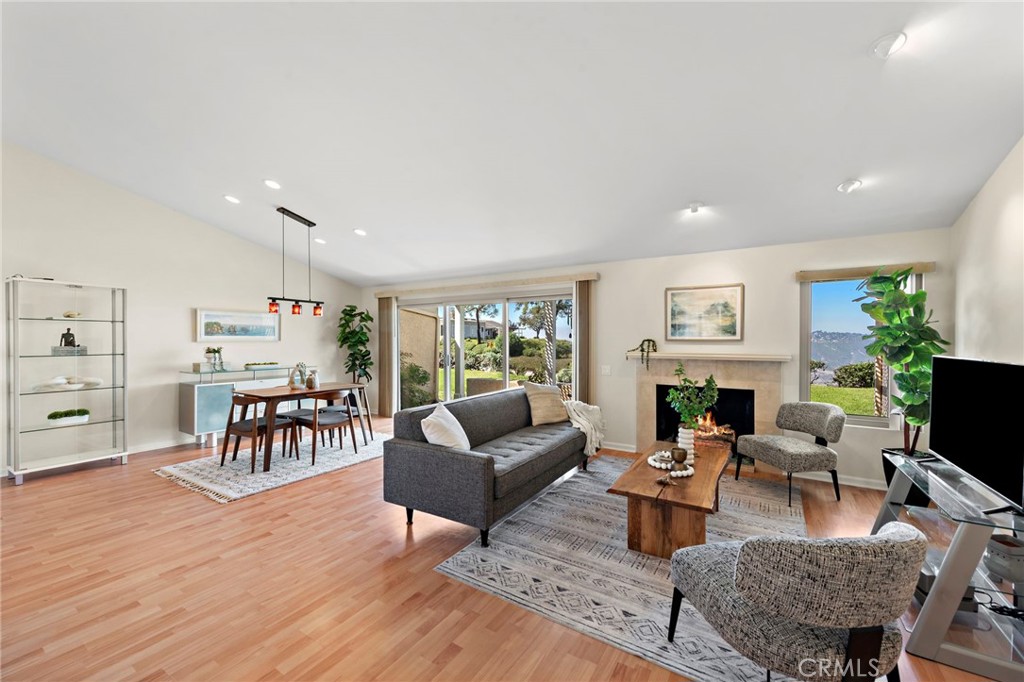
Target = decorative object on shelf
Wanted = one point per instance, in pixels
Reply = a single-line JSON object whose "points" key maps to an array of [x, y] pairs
{"points": [[274, 307], [68, 417], [297, 378], [262, 365], [313, 379], [903, 335], [222, 325], [705, 313], [60, 351], [646, 347], [67, 339], [71, 314], [354, 336], [691, 401], [1004, 557]]}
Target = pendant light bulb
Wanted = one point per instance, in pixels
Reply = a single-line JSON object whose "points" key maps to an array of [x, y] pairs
{"points": [[318, 310], [273, 306], [296, 308]]}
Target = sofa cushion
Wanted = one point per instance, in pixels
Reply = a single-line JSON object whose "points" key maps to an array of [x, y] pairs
{"points": [[442, 428], [546, 406], [483, 417], [526, 453]]}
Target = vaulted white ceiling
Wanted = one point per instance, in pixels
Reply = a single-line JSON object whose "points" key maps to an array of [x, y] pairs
{"points": [[474, 138]]}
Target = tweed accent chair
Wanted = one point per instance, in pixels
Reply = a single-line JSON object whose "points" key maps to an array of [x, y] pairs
{"points": [[823, 421], [814, 609]]}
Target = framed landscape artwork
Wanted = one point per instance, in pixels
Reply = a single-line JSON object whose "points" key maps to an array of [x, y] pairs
{"points": [[220, 325], [712, 313]]}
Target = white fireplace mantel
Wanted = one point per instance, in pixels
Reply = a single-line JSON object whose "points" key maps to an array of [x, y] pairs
{"points": [[735, 357]]}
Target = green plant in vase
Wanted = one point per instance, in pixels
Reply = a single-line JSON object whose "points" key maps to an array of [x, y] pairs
{"points": [[692, 401], [354, 337], [903, 336]]}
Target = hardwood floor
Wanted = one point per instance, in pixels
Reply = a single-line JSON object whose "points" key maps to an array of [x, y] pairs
{"points": [[113, 573]]}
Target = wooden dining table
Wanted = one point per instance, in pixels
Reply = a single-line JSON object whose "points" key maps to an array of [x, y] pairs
{"points": [[278, 394]]}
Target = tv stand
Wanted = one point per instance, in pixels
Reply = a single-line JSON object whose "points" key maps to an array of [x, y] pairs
{"points": [[987, 643]]}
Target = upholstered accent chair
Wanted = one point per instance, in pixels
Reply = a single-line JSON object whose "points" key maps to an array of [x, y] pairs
{"points": [[823, 421], [814, 609]]}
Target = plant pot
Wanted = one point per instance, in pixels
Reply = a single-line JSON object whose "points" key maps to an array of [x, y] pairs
{"points": [[916, 497], [685, 439], [69, 421]]}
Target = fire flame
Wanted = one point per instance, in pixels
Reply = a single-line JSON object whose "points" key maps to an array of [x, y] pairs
{"points": [[708, 428]]}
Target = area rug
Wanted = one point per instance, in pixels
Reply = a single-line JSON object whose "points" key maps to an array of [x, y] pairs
{"points": [[233, 481], [564, 557]]}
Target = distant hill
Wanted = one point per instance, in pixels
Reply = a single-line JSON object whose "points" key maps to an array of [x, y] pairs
{"points": [[838, 348]]}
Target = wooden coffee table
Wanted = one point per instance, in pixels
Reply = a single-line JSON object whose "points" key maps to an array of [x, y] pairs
{"points": [[664, 518]]}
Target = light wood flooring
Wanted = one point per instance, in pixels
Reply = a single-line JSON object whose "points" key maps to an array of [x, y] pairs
{"points": [[112, 573]]}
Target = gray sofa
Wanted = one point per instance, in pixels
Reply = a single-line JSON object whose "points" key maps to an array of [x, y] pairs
{"points": [[509, 460]]}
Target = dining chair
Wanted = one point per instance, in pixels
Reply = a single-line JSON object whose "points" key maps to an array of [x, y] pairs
{"points": [[328, 420], [351, 400], [254, 429]]}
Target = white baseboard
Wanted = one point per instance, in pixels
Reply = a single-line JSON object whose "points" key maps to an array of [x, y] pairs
{"points": [[852, 481], [625, 447]]}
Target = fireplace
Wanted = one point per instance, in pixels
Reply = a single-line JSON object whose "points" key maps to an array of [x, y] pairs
{"points": [[735, 407]]}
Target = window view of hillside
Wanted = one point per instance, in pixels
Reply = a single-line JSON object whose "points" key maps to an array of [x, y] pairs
{"points": [[841, 372]]}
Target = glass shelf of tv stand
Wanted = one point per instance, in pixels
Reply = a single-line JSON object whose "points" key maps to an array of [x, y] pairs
{"points": [[957, 495]]}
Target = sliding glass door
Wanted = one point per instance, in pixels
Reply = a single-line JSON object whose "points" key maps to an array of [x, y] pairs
{"points": [[453, 350]]}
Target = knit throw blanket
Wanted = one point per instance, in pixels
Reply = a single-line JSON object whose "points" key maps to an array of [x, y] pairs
{"points": [[588, 419]]}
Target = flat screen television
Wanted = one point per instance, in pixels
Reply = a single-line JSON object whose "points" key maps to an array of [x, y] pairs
{"points": [[975, 418]]}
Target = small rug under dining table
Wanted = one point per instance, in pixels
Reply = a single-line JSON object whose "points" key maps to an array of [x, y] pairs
{"points": [[234, 480], [564, 556]]}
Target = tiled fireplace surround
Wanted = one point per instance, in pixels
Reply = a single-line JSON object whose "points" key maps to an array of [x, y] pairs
{"points": [[762, 374]]}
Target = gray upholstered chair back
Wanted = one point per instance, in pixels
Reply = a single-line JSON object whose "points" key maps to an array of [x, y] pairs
{"points": [[834, 582], [818, 419]]}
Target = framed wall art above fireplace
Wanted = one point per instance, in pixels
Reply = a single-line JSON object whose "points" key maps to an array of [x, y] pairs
{"points": [[705, 313]]}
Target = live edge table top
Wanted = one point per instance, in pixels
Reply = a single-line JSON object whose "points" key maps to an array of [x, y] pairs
{"points": [[697, 492]]}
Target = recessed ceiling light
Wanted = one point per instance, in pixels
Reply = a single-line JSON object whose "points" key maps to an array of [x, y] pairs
{"points": [[359, 232], [888, 45], [231, 199], [849, 186], [272, 184], [320, 241]]}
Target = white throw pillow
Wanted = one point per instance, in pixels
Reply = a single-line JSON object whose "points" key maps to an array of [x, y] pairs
{"points": [[442, 428]]}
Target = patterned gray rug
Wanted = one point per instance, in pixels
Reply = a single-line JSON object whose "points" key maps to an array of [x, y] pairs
{"points": [[564, 557], [233, 481]]}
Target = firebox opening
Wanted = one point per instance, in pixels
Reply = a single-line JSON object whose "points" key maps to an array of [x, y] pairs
{"points": [[735, 407]]}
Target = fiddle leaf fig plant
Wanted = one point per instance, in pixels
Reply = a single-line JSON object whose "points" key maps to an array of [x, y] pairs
{"points": [[691, 400], [354, 337], [903, 336]]}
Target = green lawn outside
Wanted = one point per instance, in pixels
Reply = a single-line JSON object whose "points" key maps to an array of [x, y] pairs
{"points": [[859, 401], [473, 374]]}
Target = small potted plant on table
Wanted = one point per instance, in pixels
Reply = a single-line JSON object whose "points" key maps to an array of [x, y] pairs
{"points": [[692, 401]]}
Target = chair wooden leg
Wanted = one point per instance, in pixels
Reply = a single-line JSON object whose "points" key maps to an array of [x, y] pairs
{"points": [[677, 600], [352, 430], [835, 482], [330, 436], [322, 441], [295, 442], [408, 516], [789, 477], [234, 453], [313, 463], [253, 442], [224, 448], [739, 463]]}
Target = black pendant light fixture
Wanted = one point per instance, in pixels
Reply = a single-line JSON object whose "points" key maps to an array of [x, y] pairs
{"points": [[318, 306]]}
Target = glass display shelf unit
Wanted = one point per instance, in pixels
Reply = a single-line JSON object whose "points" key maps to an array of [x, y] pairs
{"points": [[962, 517], [66, 350]]}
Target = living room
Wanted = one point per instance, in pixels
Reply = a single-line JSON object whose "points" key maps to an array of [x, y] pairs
{"points": [[486, 153]]}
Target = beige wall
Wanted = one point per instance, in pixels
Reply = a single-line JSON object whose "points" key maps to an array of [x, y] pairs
{"points": [[988, 245], [629, 306], [61, 223], [418, 333]]}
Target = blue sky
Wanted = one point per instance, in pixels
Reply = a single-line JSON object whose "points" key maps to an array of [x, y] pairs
{"points": [[562, 327], [833, 310]]}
